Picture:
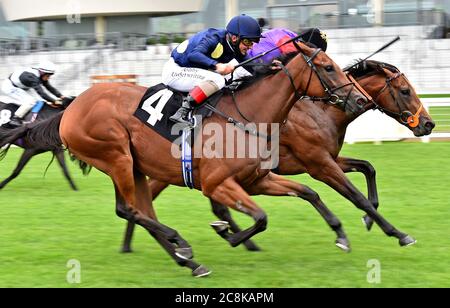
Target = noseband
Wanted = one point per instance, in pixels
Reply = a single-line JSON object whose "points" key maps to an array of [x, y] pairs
{"points": [[405, 116]]}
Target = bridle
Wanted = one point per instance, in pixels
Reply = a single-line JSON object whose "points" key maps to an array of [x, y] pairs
{"points": [[406, 117], [331, 98]]}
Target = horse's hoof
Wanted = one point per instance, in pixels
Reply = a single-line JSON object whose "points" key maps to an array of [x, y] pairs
{"points": [[343, 244], [126, 250], [184, 253], [201, 271], [220, 226], [233, 242], [368, 222], [251, 246], [407, 241]]}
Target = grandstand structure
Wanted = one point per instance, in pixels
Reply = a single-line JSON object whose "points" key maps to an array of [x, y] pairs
{"points": [[354, 30]]}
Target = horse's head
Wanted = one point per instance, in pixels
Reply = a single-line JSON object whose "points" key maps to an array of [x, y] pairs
{"points": [[394, 95], [326, 81]]}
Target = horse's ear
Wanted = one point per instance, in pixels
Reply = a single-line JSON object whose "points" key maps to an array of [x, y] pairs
{"points": [[364, 64], [374, 65], [378, 67], [384, 70]]}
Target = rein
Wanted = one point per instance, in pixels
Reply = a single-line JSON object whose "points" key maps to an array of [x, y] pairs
{"points": [[296, 92], [238, 124], [332, 98]]}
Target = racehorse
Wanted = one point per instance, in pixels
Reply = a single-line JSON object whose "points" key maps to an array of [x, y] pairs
{"points": [[47, 111], [100, 130], [313, 137]]}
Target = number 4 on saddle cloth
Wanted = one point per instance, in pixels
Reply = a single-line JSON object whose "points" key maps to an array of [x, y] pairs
{"points": [[157, 105], [160, 102]]}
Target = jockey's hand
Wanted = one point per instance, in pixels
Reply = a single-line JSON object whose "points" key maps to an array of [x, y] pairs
{"points": [[56, 104], [224, 69], [275, 66]]}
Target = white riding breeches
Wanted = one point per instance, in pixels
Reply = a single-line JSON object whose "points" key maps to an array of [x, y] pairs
{"points": [[184, 79], [20, 97]]}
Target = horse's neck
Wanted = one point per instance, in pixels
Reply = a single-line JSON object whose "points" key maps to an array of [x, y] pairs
{"points": [[335, 116], [271, 99], [48, 111], [342, 118], [331, 121]]}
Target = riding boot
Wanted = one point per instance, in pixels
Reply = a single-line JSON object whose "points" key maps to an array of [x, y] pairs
{"points": [[15, 122], [17, 118], [183, 111], [196, 97]]}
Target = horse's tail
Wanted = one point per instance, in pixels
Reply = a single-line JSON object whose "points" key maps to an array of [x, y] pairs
{"points": [[42, 135]]}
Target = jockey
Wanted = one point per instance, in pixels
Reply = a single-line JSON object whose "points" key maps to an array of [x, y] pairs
{"points": [[17, 86], [199, 65], [277, 36]]}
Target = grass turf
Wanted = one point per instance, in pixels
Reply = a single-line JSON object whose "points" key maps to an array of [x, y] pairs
{"points": [[44, 224]]}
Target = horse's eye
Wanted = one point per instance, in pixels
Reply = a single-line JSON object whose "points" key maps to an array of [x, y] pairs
{"points": [[405, 91], [329, 68]]}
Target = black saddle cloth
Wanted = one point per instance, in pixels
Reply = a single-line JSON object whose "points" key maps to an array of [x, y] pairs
{"points": [[160, 102]]}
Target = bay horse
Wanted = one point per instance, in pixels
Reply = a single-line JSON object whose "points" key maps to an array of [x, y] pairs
{"points": [[313, 136], [99, 129], [46, 112]]}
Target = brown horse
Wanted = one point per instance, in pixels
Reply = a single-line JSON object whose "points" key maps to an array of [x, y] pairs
{"points": [[100, 130], [313, 137]]}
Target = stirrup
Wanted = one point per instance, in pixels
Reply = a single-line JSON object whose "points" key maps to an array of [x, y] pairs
{"points": [[181, 114], [181, 120]]}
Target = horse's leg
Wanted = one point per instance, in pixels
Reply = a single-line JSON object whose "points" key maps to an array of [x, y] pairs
{"points": [[133, 202], [128, 237], [62, 162], [363, 166], [233, 195], [155, 187], [330, 173], [24, 159], [144, 197], [224, 214], [276, 185]]}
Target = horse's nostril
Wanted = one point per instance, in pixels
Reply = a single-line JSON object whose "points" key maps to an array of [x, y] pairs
{"points": [[361, 101], [429, 125]]}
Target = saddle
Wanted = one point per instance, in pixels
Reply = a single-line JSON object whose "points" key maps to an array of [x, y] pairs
{"points": [[157, 105]]}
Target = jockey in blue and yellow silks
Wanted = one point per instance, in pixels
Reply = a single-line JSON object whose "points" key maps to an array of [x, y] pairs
{"points": [[198, 65]]}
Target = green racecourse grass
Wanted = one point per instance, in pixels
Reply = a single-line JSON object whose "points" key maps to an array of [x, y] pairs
{"points": [[441, 116], [44, 224]]}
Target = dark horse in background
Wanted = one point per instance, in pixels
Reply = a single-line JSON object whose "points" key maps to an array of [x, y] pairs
{"points": [[313, 136], [47, 111]]}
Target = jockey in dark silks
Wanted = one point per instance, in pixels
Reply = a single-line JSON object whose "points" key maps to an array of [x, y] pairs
{"points": [[18, 85], [199, 65]]}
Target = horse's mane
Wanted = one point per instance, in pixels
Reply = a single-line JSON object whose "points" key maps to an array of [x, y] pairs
{"points": [[368, 67], [263, 70]]}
